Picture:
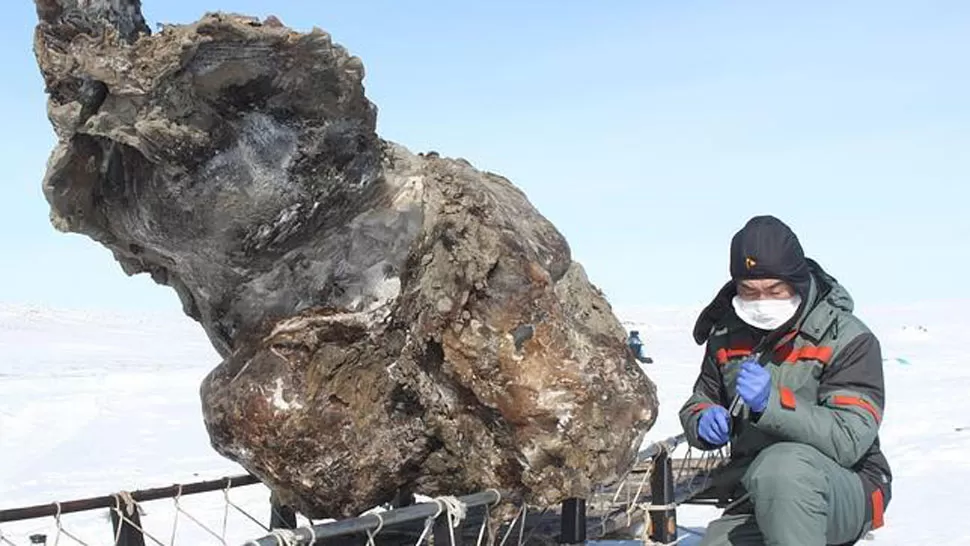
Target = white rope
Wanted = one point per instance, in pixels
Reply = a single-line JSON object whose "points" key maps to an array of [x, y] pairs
{"points": [[636, 496], [619, 489], [486, 519], [428, 523], [123, 516], [645, 538], [61, 530], [206, 528], [245, 513], [633, 502], [522, 524], [372, 534], [521, 514], [456, 512], [175, 520], [534, 527], [225, 510]]}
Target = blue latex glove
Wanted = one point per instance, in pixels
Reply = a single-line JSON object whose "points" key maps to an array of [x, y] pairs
{"points": [[714, 425], [754, 385]]}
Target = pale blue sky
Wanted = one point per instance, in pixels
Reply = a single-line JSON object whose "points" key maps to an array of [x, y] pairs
{"points": [[648, 132]]}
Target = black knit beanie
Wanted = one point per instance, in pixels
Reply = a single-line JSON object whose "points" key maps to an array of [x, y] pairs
{"points": [[766, 248]]}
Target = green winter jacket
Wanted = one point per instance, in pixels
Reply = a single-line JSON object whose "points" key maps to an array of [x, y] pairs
{"points": [[827, 384]]}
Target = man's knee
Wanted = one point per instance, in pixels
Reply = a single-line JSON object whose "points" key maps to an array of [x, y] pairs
{"points": [[784, 470]]}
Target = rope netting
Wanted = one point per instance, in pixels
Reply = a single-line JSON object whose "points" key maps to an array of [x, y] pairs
{"points": [[218, 517], [621, 510], [628, 509], [451, 511]]}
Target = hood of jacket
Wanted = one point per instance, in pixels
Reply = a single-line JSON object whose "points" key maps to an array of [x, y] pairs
{"points": [[825, 291]]}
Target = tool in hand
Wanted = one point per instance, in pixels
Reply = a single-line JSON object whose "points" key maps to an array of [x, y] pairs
{"points": [[735, 408]]}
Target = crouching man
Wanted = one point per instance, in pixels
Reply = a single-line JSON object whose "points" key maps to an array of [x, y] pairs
{"points": [[806, 375]]}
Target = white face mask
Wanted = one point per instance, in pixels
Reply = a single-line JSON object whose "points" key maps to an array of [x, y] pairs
{"points": [[766, 314]]}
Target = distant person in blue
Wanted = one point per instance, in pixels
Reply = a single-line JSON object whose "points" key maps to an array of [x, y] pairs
{"points": [[636, 345]]}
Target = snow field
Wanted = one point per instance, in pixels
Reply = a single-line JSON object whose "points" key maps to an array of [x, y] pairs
{"points": [[94, 403]]}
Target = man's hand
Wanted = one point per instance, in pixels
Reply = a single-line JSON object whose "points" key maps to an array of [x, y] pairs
{"points": [[754, 385], [713, 426]]}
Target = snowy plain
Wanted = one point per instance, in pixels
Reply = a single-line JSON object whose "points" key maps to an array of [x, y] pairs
{"points": [[93, 403]]}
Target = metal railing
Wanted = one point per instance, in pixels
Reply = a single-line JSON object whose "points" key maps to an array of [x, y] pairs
{"points": [[125, 513], [666, 484], [647, 499]]}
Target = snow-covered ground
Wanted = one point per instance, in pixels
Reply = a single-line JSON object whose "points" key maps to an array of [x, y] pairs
{"points": [[93, 403]]}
